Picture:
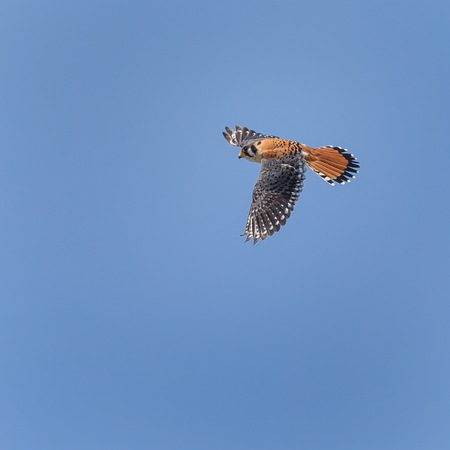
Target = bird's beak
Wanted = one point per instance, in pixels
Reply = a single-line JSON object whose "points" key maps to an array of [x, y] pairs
{"points": [[239, 156]]}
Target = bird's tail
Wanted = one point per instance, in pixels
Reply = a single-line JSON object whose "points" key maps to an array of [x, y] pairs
{"points": [[332, 163]]}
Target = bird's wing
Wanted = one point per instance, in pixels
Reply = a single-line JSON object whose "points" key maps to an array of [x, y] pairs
{"points": [[276, 191], [241, 137]]}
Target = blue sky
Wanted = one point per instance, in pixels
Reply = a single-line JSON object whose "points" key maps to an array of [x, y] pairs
{"points": [[132, 313]]}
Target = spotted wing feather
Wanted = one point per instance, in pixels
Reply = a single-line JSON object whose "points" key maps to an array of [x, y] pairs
{"points": [[241, 137], [276, 191]]}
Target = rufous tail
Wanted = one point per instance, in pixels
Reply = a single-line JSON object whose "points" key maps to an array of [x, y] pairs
{"points": [[332, 163]]}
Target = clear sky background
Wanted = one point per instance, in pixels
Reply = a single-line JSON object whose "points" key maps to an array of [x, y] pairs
{"points": [[132, 314]]}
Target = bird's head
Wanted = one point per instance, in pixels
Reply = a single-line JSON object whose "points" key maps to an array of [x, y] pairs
{"points": [[251, 152]]}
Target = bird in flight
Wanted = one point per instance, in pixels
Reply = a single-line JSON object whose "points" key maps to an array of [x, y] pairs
{"points": [[283, 167]]}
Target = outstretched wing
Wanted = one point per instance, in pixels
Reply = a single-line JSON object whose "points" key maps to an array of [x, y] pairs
{"points": [[243, 136], [276, 191]]}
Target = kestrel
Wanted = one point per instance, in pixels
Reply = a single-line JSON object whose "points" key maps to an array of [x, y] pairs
{"points": [[283, 167]]}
